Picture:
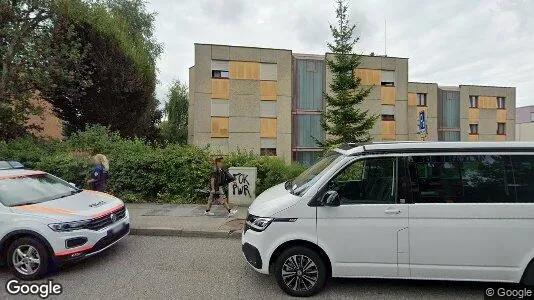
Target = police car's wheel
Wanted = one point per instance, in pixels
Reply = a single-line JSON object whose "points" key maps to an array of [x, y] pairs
{"points": [[300, 272], [27, 258]]}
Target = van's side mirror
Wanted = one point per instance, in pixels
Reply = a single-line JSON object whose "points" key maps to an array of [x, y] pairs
{"points": [[331, 198]]}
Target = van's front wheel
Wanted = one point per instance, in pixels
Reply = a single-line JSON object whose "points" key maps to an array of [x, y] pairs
{"points": [[300, 272]]}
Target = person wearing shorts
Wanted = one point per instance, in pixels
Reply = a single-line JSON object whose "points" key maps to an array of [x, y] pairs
{"points": [[219, 178]]}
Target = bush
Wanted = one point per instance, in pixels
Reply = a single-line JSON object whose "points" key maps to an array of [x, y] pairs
{"points": [[270, 170], [139, 172]]}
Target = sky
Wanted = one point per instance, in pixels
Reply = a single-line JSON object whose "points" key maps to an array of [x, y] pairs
{"points": [[451, 42]]}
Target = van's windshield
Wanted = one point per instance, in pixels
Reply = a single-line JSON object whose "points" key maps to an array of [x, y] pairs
{"points": [[301, 183]]}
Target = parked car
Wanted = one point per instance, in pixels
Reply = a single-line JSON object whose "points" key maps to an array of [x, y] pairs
{"points": [[435, 210], [46, 221]]}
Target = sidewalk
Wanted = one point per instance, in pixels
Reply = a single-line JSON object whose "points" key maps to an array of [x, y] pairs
{"points": [[184, 220]]}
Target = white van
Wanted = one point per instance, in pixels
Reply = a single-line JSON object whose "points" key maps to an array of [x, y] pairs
{"points": [[436, 210], [46, 222]]}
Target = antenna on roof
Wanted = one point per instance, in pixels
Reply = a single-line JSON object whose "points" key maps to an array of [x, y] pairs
{"points": [[385, 38]]}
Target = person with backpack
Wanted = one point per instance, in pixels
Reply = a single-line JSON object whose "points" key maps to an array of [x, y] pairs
{"points": [[220, 177], [99, 176]]}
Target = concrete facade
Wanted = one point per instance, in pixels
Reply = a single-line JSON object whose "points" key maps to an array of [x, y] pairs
{"points": [[488, 112], [524, 127], [268, 91], [256, 86], [428, 91]]}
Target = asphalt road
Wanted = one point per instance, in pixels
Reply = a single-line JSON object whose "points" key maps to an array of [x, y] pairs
{"points": [[199, 268]]}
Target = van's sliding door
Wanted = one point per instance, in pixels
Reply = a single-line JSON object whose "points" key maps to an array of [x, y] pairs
{"points": [[472, 216]]}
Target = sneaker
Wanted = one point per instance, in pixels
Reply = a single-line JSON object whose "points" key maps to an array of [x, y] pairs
{"points": [[208, 213], [232, 213]]}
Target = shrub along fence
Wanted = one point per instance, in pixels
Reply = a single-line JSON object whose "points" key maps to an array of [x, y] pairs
{"points": [[139, 172]]}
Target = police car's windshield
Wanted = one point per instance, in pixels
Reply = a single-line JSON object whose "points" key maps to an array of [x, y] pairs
{"points": [[32, 189]]}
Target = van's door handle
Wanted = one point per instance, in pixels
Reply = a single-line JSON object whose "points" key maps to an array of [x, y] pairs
{"points": [[392, 211]]}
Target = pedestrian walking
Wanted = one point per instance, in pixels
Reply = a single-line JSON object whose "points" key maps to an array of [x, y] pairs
{"points": [[99, 176], [220, 177]]}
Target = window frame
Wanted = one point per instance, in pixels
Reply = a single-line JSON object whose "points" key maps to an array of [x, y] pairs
{"points": [[501, 100], [475, 98], [503, 126], [424, 97], [316, 200], [270, 152], [510, 155], [387, 117], [470, 129]]}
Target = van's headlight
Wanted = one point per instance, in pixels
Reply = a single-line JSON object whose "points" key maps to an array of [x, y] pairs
{"points": [[259, 223], [67, 226]]}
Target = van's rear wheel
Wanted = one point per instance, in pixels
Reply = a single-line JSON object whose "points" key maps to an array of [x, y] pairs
{"points": [[27, 258], [300, 272]]}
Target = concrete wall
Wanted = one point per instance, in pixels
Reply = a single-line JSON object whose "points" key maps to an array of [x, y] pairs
{"points": [[524, 127], [524, 131], [373, 103], [431, 91], [244, 104], [487, 121]]}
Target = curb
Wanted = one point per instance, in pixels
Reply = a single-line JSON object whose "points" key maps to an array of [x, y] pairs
{"points": [[185, 233]]}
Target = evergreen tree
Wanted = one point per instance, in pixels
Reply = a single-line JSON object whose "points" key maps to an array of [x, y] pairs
{"points": [[344, 121]]}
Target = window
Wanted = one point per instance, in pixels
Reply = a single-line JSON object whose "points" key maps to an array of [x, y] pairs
{"points": [[268, 151], [523, 166], [501, 103], [421, 99], [387, 78], [473, 128], [388, 117], [532, 117], [219, 69], [366, 181], [219, 74], [461, 179], [307, 178], [501, 128], [473, 101]]}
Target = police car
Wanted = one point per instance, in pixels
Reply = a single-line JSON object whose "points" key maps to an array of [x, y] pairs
{"points": [[47, 222]]}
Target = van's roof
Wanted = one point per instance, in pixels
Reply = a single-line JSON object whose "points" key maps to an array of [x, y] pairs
{"points": [[402, 147]]}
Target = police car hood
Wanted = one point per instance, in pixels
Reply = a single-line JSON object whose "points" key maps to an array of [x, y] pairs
{"points": [[80, 206]]}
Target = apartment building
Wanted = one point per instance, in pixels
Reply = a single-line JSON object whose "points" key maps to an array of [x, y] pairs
{"points": [[270, 102], [524, 127]]}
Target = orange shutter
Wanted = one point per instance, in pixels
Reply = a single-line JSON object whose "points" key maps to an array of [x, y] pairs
{"points": [[244, 70], [473, 137], [219, 127], [501, 115], [388, 95], [388, 130], [267, 128], [220, 89], [268, 90], [487, 102], [474, 115], [412, 99]]}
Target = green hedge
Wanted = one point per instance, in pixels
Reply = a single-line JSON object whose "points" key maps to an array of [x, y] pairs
{"points": [[139, 172]]}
